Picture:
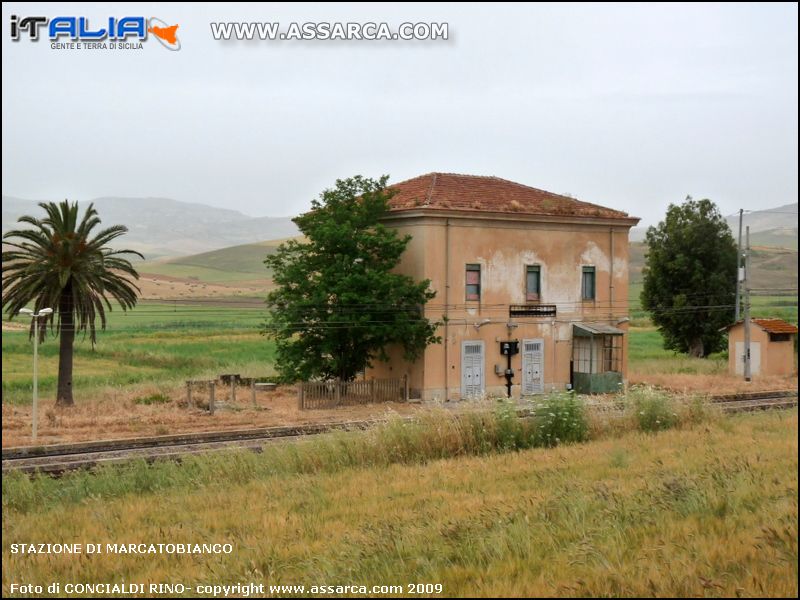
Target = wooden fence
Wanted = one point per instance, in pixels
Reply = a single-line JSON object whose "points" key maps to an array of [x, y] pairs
{"points": [[330, 394]]}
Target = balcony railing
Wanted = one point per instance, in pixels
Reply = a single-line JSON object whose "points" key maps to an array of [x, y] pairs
{"points": [[532, 310]]}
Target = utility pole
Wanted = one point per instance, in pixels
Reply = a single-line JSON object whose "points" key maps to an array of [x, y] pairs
{"points": [[747, 373], [738, 266]]}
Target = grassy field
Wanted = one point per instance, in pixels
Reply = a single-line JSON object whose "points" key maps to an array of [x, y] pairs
{"points": [[782, 306], [773, 269], [164, 344], [236, 263], [160, 344], [706, 510], [646, 352]]}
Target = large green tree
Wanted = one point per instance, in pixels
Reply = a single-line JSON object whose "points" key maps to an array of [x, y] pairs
{"points": [[60, 262], [339, 304], [690, 277]]}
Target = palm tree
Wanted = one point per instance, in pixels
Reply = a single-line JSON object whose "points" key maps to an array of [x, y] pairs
{"points": [[57, 263]]}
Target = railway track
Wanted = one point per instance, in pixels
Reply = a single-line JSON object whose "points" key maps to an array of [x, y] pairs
{"points": [[755, 401], [59, 458]]}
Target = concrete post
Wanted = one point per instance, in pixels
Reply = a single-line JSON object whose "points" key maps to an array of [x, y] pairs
{"points": [[738, 266], [747, 366]]}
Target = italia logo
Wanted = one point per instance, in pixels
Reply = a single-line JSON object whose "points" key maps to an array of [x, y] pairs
{"points": [[78, 29]]}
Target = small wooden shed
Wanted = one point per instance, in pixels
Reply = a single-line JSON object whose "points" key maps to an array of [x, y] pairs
{"points": [[771, 347]]}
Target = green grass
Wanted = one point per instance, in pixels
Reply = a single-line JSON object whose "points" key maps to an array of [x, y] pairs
{"points": [[165, 343], [439, 503], [775, 307], [646, 353], [236, 263], [157, 398], [154, 343], [763, 306], [771, 268]]}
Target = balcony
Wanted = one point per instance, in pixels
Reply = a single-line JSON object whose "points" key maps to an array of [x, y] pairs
{"points": [[532, 310]]}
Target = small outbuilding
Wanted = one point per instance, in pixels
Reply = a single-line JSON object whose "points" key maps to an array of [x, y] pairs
{"points": [[771, 347]]}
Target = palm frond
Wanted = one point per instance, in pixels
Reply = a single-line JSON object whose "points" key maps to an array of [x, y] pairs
{"points": [[60, 255]]}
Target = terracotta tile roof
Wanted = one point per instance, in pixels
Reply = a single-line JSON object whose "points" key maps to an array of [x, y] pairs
{"points": [[769, 325], [775, 325], [445, 191]]}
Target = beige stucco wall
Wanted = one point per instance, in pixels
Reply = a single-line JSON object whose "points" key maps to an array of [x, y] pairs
{"points": [[777, 358], [442, 246]]}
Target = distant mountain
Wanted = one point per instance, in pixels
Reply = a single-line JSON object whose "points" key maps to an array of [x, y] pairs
{"points": [[162, 227], [780, 217], [775, 227], [772, 267]]}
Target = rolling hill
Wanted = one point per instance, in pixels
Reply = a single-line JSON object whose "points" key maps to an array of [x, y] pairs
{"points": [[243, 265], [161, 227], [240, 263], [771, 267], [775, 227]]}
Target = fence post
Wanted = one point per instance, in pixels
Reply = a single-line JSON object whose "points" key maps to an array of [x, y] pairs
{"points": [[300, 396], [211, 403], [405, 387], [372, 390], [233, 390], [253, 390], [338, 385], [188, 394]]}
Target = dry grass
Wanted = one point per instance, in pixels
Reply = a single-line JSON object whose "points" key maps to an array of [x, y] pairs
{"points": [[709, 510], [712, 383], [154, 286], [114, 414]]}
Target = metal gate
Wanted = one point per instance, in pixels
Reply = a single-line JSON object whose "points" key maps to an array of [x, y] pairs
{"points": [[532, 367], [472, 381]]}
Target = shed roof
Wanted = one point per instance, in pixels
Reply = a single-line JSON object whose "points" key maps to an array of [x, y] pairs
{"points": [[770, 325], [452, 191], [589, 329]]}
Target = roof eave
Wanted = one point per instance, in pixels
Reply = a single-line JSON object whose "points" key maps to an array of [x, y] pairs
{"points": [[422, 211]]}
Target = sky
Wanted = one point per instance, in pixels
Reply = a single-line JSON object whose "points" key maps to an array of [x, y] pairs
{"points": [[629, 106]]}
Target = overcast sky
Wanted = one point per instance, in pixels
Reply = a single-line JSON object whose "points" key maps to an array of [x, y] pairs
{"points": [[632, 107]]}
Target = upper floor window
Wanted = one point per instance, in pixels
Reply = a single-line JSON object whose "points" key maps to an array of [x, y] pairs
{"points": [[533, 283], [473, 279], [588, 283]]}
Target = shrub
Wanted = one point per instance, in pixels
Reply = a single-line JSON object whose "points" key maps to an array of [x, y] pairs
{"points": [[157, 398], [509, 429], [560, 418], [653, 410]]}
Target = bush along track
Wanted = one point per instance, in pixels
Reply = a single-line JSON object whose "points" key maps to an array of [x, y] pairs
{"points": [[546, 421]]}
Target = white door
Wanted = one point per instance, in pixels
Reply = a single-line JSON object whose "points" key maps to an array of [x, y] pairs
{"points": [[472, 383], [532, 367], [755, 358]]}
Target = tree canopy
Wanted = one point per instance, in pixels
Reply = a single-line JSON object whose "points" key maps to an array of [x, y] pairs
{"points": [[339, 302], [690, 277], [59, 262]]}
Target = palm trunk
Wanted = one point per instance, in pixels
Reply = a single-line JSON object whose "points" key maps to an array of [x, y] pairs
{"points": [[67, 333]]}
